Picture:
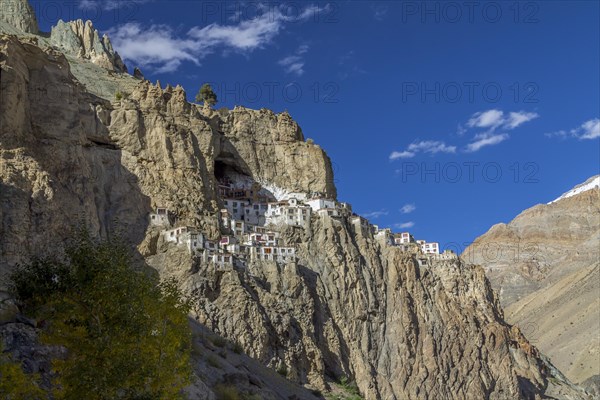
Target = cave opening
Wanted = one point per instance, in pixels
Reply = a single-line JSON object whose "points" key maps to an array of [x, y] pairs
{"points": [[236, 184], [220, 168]]}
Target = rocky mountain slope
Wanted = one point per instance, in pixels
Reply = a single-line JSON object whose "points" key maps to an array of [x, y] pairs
{"points": [[592, 183], [350, 307], [545, 265]]}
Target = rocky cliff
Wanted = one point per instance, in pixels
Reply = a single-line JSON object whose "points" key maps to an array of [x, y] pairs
{"points": [[401, 327], [545, 265], [80, 39], [18, 15]]}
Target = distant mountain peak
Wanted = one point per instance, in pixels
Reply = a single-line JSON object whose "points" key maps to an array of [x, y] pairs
{"points": [[590, 184]]}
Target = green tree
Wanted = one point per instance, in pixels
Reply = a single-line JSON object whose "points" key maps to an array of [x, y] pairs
{"points": [[127, 335], [16, 384], [206, 95]]}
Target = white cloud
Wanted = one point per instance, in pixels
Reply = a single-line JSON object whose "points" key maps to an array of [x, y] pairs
{"points": [[461, 130], [493, 119], [518, 118], [349, 66], [424, 146], [483, 123], [156, 47], [485, 139], [376, 214], [590, 129], [110, 4], [160, 48], [431, 146], [408, 208], [404, 225], [560, 134], [294, 64], [586, 131], [401, 154], [486, 119], [379, 12], [87, 4]]}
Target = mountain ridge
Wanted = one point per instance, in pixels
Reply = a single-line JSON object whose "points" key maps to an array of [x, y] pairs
{"points": [[545, 264], [400, 324]]}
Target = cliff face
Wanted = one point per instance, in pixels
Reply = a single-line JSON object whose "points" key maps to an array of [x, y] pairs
{"points": [[352, 308], [545, 264], [111, 164], [18, 15], [80, 39], [403, 329]]}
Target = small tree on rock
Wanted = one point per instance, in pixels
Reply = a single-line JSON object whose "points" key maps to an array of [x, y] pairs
{"points": [[206, 95], [126, 333]]}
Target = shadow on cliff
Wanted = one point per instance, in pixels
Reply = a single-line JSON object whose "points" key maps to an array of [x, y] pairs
{"points": [[336, 365]]}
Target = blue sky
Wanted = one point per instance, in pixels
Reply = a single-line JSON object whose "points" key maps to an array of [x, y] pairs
{"points": [[442, 118]]}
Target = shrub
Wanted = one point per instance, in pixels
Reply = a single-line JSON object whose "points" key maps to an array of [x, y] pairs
{"points": [[350, 387], [119, 96], [196, 349], [213, 362], [237, 348], [206, 95], [114, 321], [218, 341], [283, 371], [16, 384], [251, 397], [226, 392]]}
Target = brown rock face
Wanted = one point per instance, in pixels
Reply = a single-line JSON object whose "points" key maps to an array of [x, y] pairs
{"points": [[153, 146], [349, 307], [352, 308], [545, 266]]}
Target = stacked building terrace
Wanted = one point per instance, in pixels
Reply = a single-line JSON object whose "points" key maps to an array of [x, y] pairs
{"points": [[252, 219]]}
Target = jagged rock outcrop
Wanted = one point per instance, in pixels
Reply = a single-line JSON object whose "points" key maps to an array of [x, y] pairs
{"points": [[18, 14], [82, 40], [401, 328], [352, 308], [137, 73], [545, 264]]}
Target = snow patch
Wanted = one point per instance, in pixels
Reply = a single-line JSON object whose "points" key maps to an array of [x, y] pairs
{"points": [[590, 184]]}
